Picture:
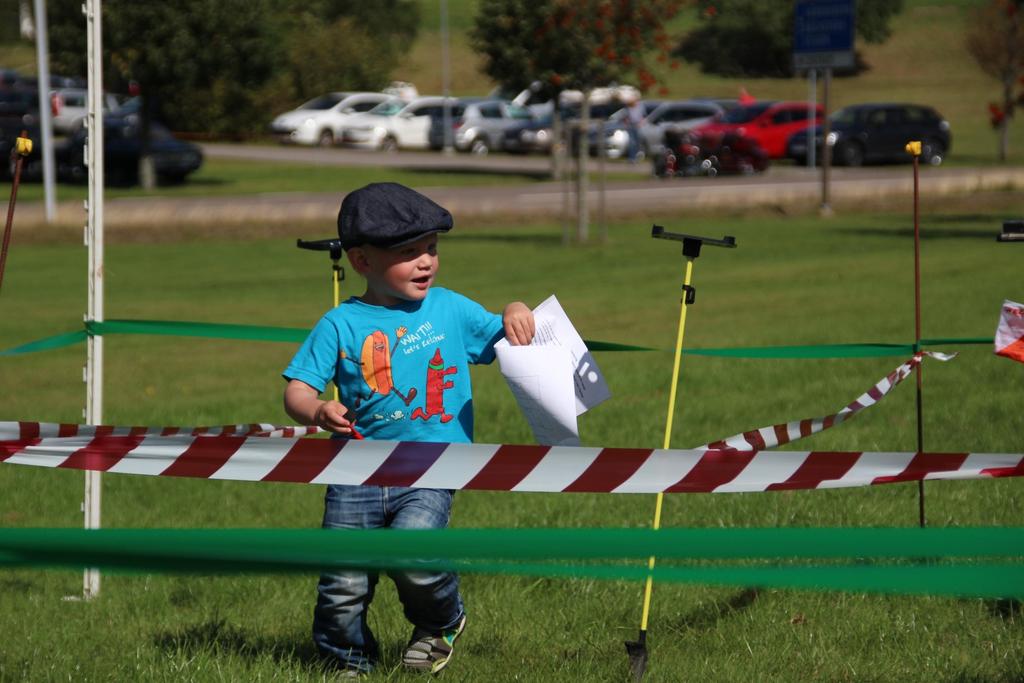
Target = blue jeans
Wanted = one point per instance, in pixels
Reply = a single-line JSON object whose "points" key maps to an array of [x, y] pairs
{"points": [[430, 601]]}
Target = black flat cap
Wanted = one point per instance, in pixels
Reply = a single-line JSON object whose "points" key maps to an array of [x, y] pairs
{"points": [[388, 215]]}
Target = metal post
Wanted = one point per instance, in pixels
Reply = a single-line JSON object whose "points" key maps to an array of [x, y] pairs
{"points": [[812, 102], [94, 242], [826, 149], [582, 177], [445, 78], [602, 153], [333, 247], [915, 150], [23, 147], [561, 133], [45, 120]]}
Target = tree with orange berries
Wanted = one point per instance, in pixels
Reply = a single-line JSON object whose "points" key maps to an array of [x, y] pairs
{"points": [[995, 38], [573, 45]]}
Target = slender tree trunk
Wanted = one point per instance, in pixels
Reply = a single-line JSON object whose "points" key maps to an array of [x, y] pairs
{"points": [[1004, 125], [557, 138], [560, 167], [582, 177], [1009, 80], [602, 153], [147, 171]]}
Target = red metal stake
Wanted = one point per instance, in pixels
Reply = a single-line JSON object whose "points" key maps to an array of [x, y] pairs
{"points": [[22, 149], [915, 150]]}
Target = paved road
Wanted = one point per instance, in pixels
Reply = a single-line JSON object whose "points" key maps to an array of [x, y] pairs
{"points": [[492, 163], [779, 186]]}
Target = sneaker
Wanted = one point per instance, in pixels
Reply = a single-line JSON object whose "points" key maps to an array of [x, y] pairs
{"points": [[431, 652]]}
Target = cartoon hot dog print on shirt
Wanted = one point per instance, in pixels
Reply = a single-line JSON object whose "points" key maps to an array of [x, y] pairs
{"points": [[376, 365]]}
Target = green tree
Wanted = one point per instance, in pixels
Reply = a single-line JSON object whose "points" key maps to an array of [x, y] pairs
{"points": [[755, 38], [340, 45], [223, 67], [572, 44], [565, 44], [199, 63], [995, 38]]}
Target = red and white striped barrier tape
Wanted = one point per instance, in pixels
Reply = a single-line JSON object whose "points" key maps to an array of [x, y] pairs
{"points": [[487, 467], [787, 432], [12, 430], [245, 453]]}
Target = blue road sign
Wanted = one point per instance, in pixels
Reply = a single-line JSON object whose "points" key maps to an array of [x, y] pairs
{"points": [[823, 34]]}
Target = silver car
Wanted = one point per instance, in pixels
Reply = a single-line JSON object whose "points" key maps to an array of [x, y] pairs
{"points": [[482, 125], [677, 116]]}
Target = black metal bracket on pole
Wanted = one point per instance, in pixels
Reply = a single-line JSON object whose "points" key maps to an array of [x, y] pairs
{"points": [[329, 245], [692, 243], [691, 250]]}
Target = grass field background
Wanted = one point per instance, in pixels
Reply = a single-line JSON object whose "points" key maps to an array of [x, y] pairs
{"points": [[793, 280], [220, 177]]}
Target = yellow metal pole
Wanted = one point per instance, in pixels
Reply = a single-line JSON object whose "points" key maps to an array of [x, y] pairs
{"points": [[336, 282], [668, 433], [637, 650], [333, 246]]}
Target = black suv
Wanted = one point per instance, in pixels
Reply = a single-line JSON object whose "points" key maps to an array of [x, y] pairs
{"points": [[173, 159], [864, 133]]}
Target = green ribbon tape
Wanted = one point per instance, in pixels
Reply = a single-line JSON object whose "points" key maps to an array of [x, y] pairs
{"points": [[48, 343], [612, 346], [809, 351], [924, 554], [191, 329], [312, 546], [298, 334]]}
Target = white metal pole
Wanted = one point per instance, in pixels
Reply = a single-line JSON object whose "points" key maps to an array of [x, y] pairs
{"points": [[45, 120], [94, 241], [446, 81]]}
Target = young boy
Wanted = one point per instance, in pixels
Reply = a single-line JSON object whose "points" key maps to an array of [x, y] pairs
{"points": [[400, 356]]}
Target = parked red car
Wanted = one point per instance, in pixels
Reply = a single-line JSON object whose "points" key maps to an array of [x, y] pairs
{"points": [[770, 124]]}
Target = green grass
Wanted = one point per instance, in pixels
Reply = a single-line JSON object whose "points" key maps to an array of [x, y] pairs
{"points": [[220, 177], [793, 280]]}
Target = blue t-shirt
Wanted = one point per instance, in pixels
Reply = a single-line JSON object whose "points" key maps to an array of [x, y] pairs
{"points": [[403, 369]]}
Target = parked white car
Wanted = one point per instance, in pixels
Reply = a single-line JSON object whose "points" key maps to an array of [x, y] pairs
{"points": [[540, 106], [388, 127], [69, 107], [322, 120]]}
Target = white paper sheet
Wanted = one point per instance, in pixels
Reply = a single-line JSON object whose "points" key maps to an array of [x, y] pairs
{"points": [[555, 378], [543, 390]]}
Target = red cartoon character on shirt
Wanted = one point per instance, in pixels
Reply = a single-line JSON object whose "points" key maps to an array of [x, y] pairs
{"points": [[436, 384]]}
